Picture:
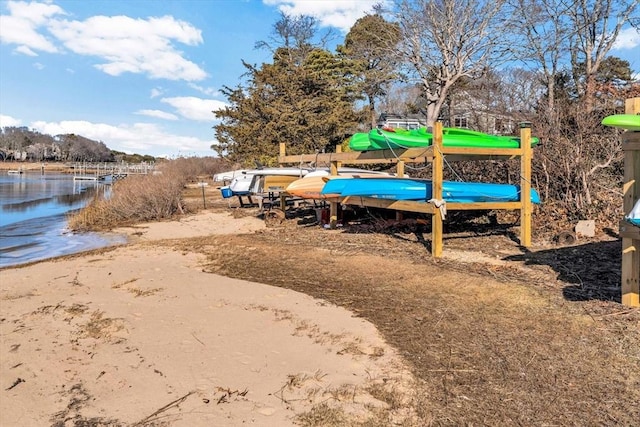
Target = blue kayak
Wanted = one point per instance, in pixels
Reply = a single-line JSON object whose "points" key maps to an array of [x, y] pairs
{"points": [[418, 189]]}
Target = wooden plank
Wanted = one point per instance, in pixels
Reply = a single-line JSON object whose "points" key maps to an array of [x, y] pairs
{"points": [[630, 269], [632, 106], [525, 187], [437, 227], [631, 141], [373, 156], [411, 155], [628, 230], [471, 158], [474, 151], [401, 205], [630, 272], [479, 206], [333, 206], [424, 207], [399, 173], [631, 184], [333, 215]]}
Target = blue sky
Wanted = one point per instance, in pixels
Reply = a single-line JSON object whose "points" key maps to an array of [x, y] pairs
{"points": [[144, 75]]}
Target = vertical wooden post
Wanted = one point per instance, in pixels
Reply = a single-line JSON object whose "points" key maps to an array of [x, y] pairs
{"points": [[436, 186], [525, 185], [333, 206], [631, 190], [399, 174], [283, 195]]}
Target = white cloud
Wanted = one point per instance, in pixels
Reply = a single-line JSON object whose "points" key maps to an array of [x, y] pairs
{"points": [[6, 121], [38, 66], [25, 50], [21, 26], [341, 14], [205, 90], [194, 108], [124, 44], [158, 114], [156, 92], [133, 45], [142, 138], [628, 38]]}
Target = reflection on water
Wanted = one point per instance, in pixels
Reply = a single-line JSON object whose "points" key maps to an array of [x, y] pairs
{"points": [[33, 212]]}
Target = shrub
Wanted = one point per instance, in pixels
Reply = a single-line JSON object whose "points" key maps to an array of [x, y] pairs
{"points": [[143, 198]]}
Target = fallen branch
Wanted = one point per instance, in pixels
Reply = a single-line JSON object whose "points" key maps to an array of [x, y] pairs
{"points": [[15, 383], [164, 408]]}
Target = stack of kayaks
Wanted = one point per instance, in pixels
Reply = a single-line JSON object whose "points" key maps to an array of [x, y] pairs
{"points": [[421, 190], [311, 185], [383, 139], [248, 182]]}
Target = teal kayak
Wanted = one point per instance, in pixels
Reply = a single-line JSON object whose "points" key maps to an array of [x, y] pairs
{"points": [[383, 139], [421, 190]]}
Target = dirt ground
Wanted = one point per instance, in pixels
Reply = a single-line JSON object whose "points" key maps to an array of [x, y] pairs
{"points": [[495, 333]]}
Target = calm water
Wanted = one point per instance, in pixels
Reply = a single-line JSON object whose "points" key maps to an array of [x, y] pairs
{"points": [[33, 211]]}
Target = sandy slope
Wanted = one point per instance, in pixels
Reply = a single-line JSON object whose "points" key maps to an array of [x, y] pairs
{"points": [[141, 335]]}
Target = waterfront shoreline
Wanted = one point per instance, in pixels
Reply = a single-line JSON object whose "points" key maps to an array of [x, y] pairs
{"points": [[115, 335], [29, 167]]}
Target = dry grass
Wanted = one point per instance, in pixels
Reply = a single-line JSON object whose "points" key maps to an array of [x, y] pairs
{"points": [[489, 344], [146, 197], [536, 340]]}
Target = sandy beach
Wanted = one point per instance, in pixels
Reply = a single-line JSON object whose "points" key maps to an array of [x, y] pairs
{"points": [[141, 335]]}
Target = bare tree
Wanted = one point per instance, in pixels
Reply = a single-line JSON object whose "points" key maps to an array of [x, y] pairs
{"points": [[446, 40], [597, 25], [545, 36]]}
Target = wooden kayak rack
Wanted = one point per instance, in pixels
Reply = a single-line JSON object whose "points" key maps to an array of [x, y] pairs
{"points": [[435, 154], [631, 193]]}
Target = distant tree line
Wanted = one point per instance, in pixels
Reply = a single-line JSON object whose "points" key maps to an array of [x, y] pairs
{"points": [[24, 144], [542, 61]]}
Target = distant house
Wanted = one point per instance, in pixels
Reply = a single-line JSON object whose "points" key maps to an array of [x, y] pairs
{"points": [[483, 120], [465, 111], [475, 110], [395, 121]]}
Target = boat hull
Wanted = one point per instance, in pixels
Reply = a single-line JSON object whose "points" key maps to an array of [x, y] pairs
{"points": [[623, 121], [380, 139], [421, 190]]}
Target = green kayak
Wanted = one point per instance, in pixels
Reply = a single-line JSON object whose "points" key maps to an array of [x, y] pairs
{"points": [[623, 121], [379, 139]]}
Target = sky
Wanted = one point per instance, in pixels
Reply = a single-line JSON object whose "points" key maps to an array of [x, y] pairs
{"points": [[143, 76]]}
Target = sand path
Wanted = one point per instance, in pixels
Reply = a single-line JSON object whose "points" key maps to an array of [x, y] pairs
{"points": [[141, 336]]}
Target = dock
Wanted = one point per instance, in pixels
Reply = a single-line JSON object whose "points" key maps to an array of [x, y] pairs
{"points": [[108, 172]]}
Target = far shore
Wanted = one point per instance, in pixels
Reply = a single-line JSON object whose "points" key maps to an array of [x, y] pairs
{"points": [[34, 166]]}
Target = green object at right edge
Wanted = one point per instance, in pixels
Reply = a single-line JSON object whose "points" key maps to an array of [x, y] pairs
{"points": [[623, 121], [379, 139]]}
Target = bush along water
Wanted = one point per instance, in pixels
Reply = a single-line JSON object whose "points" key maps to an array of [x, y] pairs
{"points": [[142, 198]]}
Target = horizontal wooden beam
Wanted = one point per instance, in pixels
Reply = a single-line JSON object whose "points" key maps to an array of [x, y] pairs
{"points": [[374, 156], [424, 207], [629, 231], [469, 158], [399, 205], [475, 151], [484, 206], [412, 155]]}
